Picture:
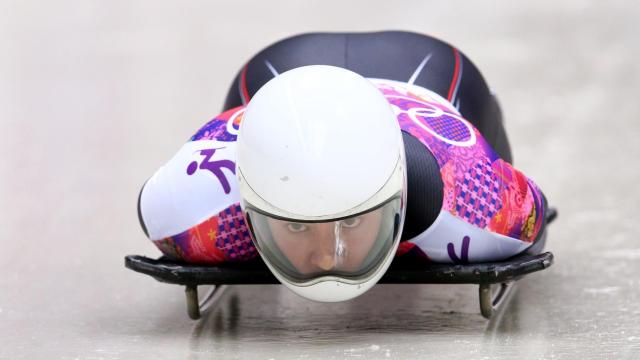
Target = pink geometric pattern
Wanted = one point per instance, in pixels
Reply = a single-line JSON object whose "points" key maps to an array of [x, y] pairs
{"points": [[445, 127], [478, 197], [233, 235]]}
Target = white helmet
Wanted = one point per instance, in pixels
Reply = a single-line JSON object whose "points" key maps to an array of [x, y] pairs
{"points": [[322, 176]]}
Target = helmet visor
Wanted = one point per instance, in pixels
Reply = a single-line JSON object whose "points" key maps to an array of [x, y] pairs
{"points": [[348, 248]]}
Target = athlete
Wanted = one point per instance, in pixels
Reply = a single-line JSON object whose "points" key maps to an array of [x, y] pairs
{"points": [[337, 153]]}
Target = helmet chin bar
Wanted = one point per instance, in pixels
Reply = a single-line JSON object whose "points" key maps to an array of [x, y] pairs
{"points": [[331, 290]]}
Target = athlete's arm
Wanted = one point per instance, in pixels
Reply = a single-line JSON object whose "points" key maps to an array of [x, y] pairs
{"points": [[190, 207]]}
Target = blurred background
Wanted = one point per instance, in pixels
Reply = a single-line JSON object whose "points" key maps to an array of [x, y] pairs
{"points": [[96, 95]]}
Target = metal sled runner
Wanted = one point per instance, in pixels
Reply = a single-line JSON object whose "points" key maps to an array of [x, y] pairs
{"points": [[503, 274]]}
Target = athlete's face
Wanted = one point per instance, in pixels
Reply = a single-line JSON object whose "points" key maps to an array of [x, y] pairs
{"points": [[318, 247]]}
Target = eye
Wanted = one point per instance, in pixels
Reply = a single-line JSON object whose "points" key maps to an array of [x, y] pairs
{"points": [[351, 222], [296, 227]]}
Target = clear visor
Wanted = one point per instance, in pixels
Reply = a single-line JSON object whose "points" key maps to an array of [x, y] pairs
{"points": [[348, 248]]}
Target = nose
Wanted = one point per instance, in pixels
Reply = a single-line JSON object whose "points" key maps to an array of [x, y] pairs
{"points": [[323, 251], [323, 261]]}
